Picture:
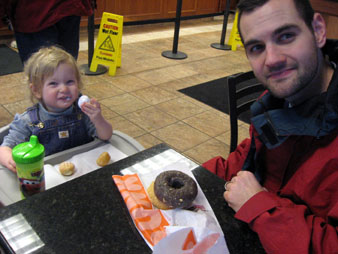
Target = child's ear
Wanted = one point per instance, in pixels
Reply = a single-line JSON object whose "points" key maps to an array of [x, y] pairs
{"points": [[36, 92]]}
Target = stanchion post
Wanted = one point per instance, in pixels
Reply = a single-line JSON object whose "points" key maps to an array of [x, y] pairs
{"points": [[91, 31], [85, 67], [221, 45], [174, 54]]}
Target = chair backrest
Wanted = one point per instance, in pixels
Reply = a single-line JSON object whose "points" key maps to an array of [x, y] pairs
{"points": [[243, 91]]}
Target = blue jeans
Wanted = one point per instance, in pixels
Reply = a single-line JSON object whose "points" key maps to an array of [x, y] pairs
{"points": [[64, 33]]}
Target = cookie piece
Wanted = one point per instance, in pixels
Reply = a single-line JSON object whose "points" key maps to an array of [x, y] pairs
{"points": [[103, 159], [67, 168]]}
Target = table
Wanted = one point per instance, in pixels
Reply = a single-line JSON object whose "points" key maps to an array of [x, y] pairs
{"points": [[88, 215]]}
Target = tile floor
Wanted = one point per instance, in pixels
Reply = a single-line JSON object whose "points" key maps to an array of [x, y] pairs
{"points": [[142, 100]]}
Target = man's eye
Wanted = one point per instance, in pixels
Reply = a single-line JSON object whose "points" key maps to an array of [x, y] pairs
{"points": [[287, 37], [256, 49]]}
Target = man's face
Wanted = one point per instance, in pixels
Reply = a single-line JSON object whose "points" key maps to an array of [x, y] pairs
{"points": [[281, 49]]}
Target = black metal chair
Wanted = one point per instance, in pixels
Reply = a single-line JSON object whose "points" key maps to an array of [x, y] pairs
{"points": [[243, 90]]}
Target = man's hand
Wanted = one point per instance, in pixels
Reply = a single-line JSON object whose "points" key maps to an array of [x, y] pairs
{"points": [[241, 188]]}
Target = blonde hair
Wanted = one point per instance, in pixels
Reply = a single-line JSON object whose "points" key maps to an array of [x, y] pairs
{"points": [[43, 63]]}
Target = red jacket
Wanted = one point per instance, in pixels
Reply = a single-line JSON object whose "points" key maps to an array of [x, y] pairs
{"points": [[299, 212], [35, 15]]}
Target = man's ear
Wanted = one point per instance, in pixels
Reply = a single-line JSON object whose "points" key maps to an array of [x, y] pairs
{"points": [[36, 92], [319, 29]]}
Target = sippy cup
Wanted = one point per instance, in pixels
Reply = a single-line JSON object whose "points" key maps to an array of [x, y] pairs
{"points": [[29, 157]]}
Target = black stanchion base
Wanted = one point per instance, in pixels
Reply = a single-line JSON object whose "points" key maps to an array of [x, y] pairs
{"points": [[220, 46], [179, 55], [84, 68]]}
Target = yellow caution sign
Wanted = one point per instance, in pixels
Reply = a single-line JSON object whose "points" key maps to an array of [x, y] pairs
{"points": [[108, 48], [235, 38]]}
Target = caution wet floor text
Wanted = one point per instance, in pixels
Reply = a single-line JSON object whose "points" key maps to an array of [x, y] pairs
{"points": [[109, 43]]}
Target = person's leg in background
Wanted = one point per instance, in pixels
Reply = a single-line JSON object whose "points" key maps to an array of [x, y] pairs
{"points": [[69, 34], [65, 33], [28, 43]]}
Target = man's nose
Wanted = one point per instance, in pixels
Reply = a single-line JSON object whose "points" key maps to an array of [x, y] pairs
{"points": [[274, 56]]}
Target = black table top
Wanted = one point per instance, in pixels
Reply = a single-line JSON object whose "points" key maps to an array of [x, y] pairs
{"points": [[88, 214]]}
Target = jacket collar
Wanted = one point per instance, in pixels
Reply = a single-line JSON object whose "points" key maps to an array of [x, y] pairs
{"points": [[275, 121]]}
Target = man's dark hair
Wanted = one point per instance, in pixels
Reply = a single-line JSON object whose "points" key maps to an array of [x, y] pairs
{"points": [[303, 7]]}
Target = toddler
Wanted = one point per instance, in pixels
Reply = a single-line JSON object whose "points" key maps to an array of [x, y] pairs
{"points": [[55, 83]]}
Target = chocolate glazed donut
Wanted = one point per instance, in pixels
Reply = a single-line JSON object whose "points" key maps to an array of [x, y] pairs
{"points": [[175, 189]]}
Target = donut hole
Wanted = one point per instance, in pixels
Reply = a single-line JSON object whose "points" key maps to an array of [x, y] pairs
{"points": [[176, 183]]}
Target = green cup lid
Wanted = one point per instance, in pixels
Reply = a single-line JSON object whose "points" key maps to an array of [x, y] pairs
{"points": [[28, 152]]}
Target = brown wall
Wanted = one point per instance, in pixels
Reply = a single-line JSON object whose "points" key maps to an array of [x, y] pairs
{"points": [[140, 10], [329, 10]]}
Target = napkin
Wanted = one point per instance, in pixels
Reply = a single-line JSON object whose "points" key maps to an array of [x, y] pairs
{"points": [[84, 163], [176, 230]]}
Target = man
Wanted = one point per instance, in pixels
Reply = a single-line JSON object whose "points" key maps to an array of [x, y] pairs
{"points": [[283, 181]]}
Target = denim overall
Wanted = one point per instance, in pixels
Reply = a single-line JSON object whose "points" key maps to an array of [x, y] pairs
{"points": [[64, 132]]}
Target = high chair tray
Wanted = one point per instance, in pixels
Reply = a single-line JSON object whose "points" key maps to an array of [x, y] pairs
{"points": [[120, 144]]}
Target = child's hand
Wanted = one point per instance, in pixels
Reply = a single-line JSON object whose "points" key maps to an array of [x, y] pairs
{"points": [[92, 110], [6, 158]]}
